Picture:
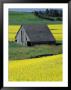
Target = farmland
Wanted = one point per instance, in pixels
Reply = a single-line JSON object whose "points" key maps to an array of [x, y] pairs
{"points": [[22, 66], [37, 69], [28, 52], [56, 31], [12, 30], [18, 18]]}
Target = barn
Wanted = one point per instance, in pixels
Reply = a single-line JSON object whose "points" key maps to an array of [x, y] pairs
{"points": [[29, 35]]}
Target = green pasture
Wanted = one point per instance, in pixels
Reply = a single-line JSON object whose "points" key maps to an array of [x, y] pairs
{"points": [[18, 18], [17, 52]]}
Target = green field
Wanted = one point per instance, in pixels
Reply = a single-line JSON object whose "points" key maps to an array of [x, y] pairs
{"points": [[17, 52], [18, 18], [21, 66], [37, 69]]}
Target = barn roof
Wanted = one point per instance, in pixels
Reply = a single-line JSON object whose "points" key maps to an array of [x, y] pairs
{"points": [[38, 32]]}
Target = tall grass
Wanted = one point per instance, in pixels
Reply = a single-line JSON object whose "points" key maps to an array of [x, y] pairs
{"points": [[17, 52]]}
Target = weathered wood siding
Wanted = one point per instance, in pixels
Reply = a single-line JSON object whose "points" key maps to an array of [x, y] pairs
{"points": [[22, 37], [18, 38], [25, 38]]}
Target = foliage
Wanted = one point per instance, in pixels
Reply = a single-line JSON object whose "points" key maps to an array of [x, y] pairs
{"points": [[54, 12], [49, 14], [59, 18]]}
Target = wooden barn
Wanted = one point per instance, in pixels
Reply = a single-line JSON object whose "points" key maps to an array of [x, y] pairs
{"points": [[29, 35]]}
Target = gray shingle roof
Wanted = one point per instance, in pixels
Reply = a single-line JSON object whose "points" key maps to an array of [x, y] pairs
{"points": [[38, 33]]}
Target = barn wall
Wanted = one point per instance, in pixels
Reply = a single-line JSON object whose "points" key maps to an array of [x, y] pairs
{"points": [[25, 38], [18, 38], [28, 39]]}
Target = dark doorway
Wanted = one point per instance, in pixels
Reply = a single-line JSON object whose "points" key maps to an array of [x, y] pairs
{"points": [[28, 43]]}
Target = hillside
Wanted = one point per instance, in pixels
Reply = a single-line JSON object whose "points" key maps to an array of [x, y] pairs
{"points": [[18, 18]]}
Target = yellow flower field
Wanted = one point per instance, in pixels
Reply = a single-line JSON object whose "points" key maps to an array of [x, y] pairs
{"points": [[47, 68], [12, 30], [56, 31]]}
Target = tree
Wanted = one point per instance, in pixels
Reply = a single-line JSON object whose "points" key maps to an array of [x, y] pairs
{"points": [[47, 11]]}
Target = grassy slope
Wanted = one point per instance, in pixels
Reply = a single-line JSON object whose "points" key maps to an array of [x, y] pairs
{"points": [[27, 18], [17, 52], [38, 69]]}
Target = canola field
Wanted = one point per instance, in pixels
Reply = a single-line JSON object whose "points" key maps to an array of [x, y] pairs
{"points": [[37, 69], [12, 30], [57, 31]]}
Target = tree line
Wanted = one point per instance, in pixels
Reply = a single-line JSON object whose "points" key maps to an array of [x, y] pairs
{"points": [[49, 14]]}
